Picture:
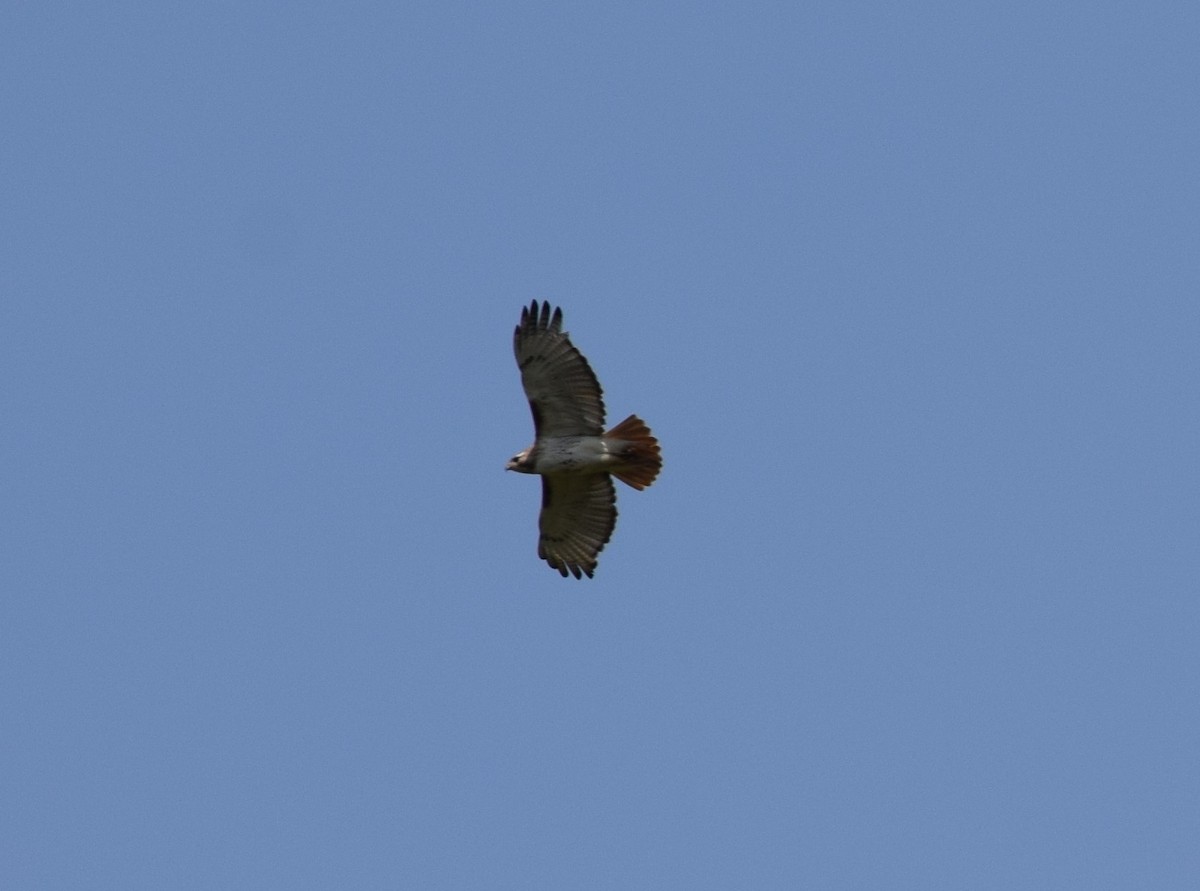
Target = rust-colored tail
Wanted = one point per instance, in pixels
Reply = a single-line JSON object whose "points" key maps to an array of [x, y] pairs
{"points": [[641, 458]]}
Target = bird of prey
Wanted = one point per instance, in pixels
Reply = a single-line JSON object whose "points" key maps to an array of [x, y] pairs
{"points": [[571, 451]]}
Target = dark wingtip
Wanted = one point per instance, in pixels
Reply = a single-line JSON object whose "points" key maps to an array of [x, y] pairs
{"points": [[541, 316], [572, 569]]}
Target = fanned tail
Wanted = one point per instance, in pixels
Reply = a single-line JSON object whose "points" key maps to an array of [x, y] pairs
{"points": [[640, 458]]}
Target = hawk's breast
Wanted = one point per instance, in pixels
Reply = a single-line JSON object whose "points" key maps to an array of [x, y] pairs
{"points": [[563, 454]]}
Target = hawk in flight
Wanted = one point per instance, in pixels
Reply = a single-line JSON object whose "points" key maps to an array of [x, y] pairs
{"points": [[571, 451]]}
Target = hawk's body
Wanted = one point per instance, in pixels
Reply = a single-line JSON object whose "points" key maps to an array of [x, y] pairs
{"points": [[571, 450]]}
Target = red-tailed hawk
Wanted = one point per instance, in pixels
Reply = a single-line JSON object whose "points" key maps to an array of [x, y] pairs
{"points": [[574, 455]]}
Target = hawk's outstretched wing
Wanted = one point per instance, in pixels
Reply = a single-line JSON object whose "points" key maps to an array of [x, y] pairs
{"points": [[579, 512], [563, 393]]}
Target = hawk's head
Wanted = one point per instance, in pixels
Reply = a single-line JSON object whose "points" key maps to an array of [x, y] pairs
{"points": [[521, 461]]}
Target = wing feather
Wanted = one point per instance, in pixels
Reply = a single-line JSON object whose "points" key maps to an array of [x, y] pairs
{"points": [[579, 512], [564, 394]]}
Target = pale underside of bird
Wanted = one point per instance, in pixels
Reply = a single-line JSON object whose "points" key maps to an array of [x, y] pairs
{"points": [[571, 450]]}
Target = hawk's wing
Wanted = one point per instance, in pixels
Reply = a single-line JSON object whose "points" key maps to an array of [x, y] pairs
{"points": [[562, 389], [579, 512]]}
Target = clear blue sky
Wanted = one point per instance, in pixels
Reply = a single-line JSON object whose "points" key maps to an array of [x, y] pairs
{"points": [[910, 293]]}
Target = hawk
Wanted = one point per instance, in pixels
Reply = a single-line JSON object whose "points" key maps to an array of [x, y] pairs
{"points": [[571, 451]]}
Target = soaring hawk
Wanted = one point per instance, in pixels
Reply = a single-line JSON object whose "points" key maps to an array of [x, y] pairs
{"points": [[571, 450]]}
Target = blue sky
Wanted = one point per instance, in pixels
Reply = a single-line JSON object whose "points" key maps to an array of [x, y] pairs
{"points": [[909, 293]]}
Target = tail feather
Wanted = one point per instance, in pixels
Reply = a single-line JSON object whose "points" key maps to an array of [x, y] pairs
{"points": [[640, 456]]}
